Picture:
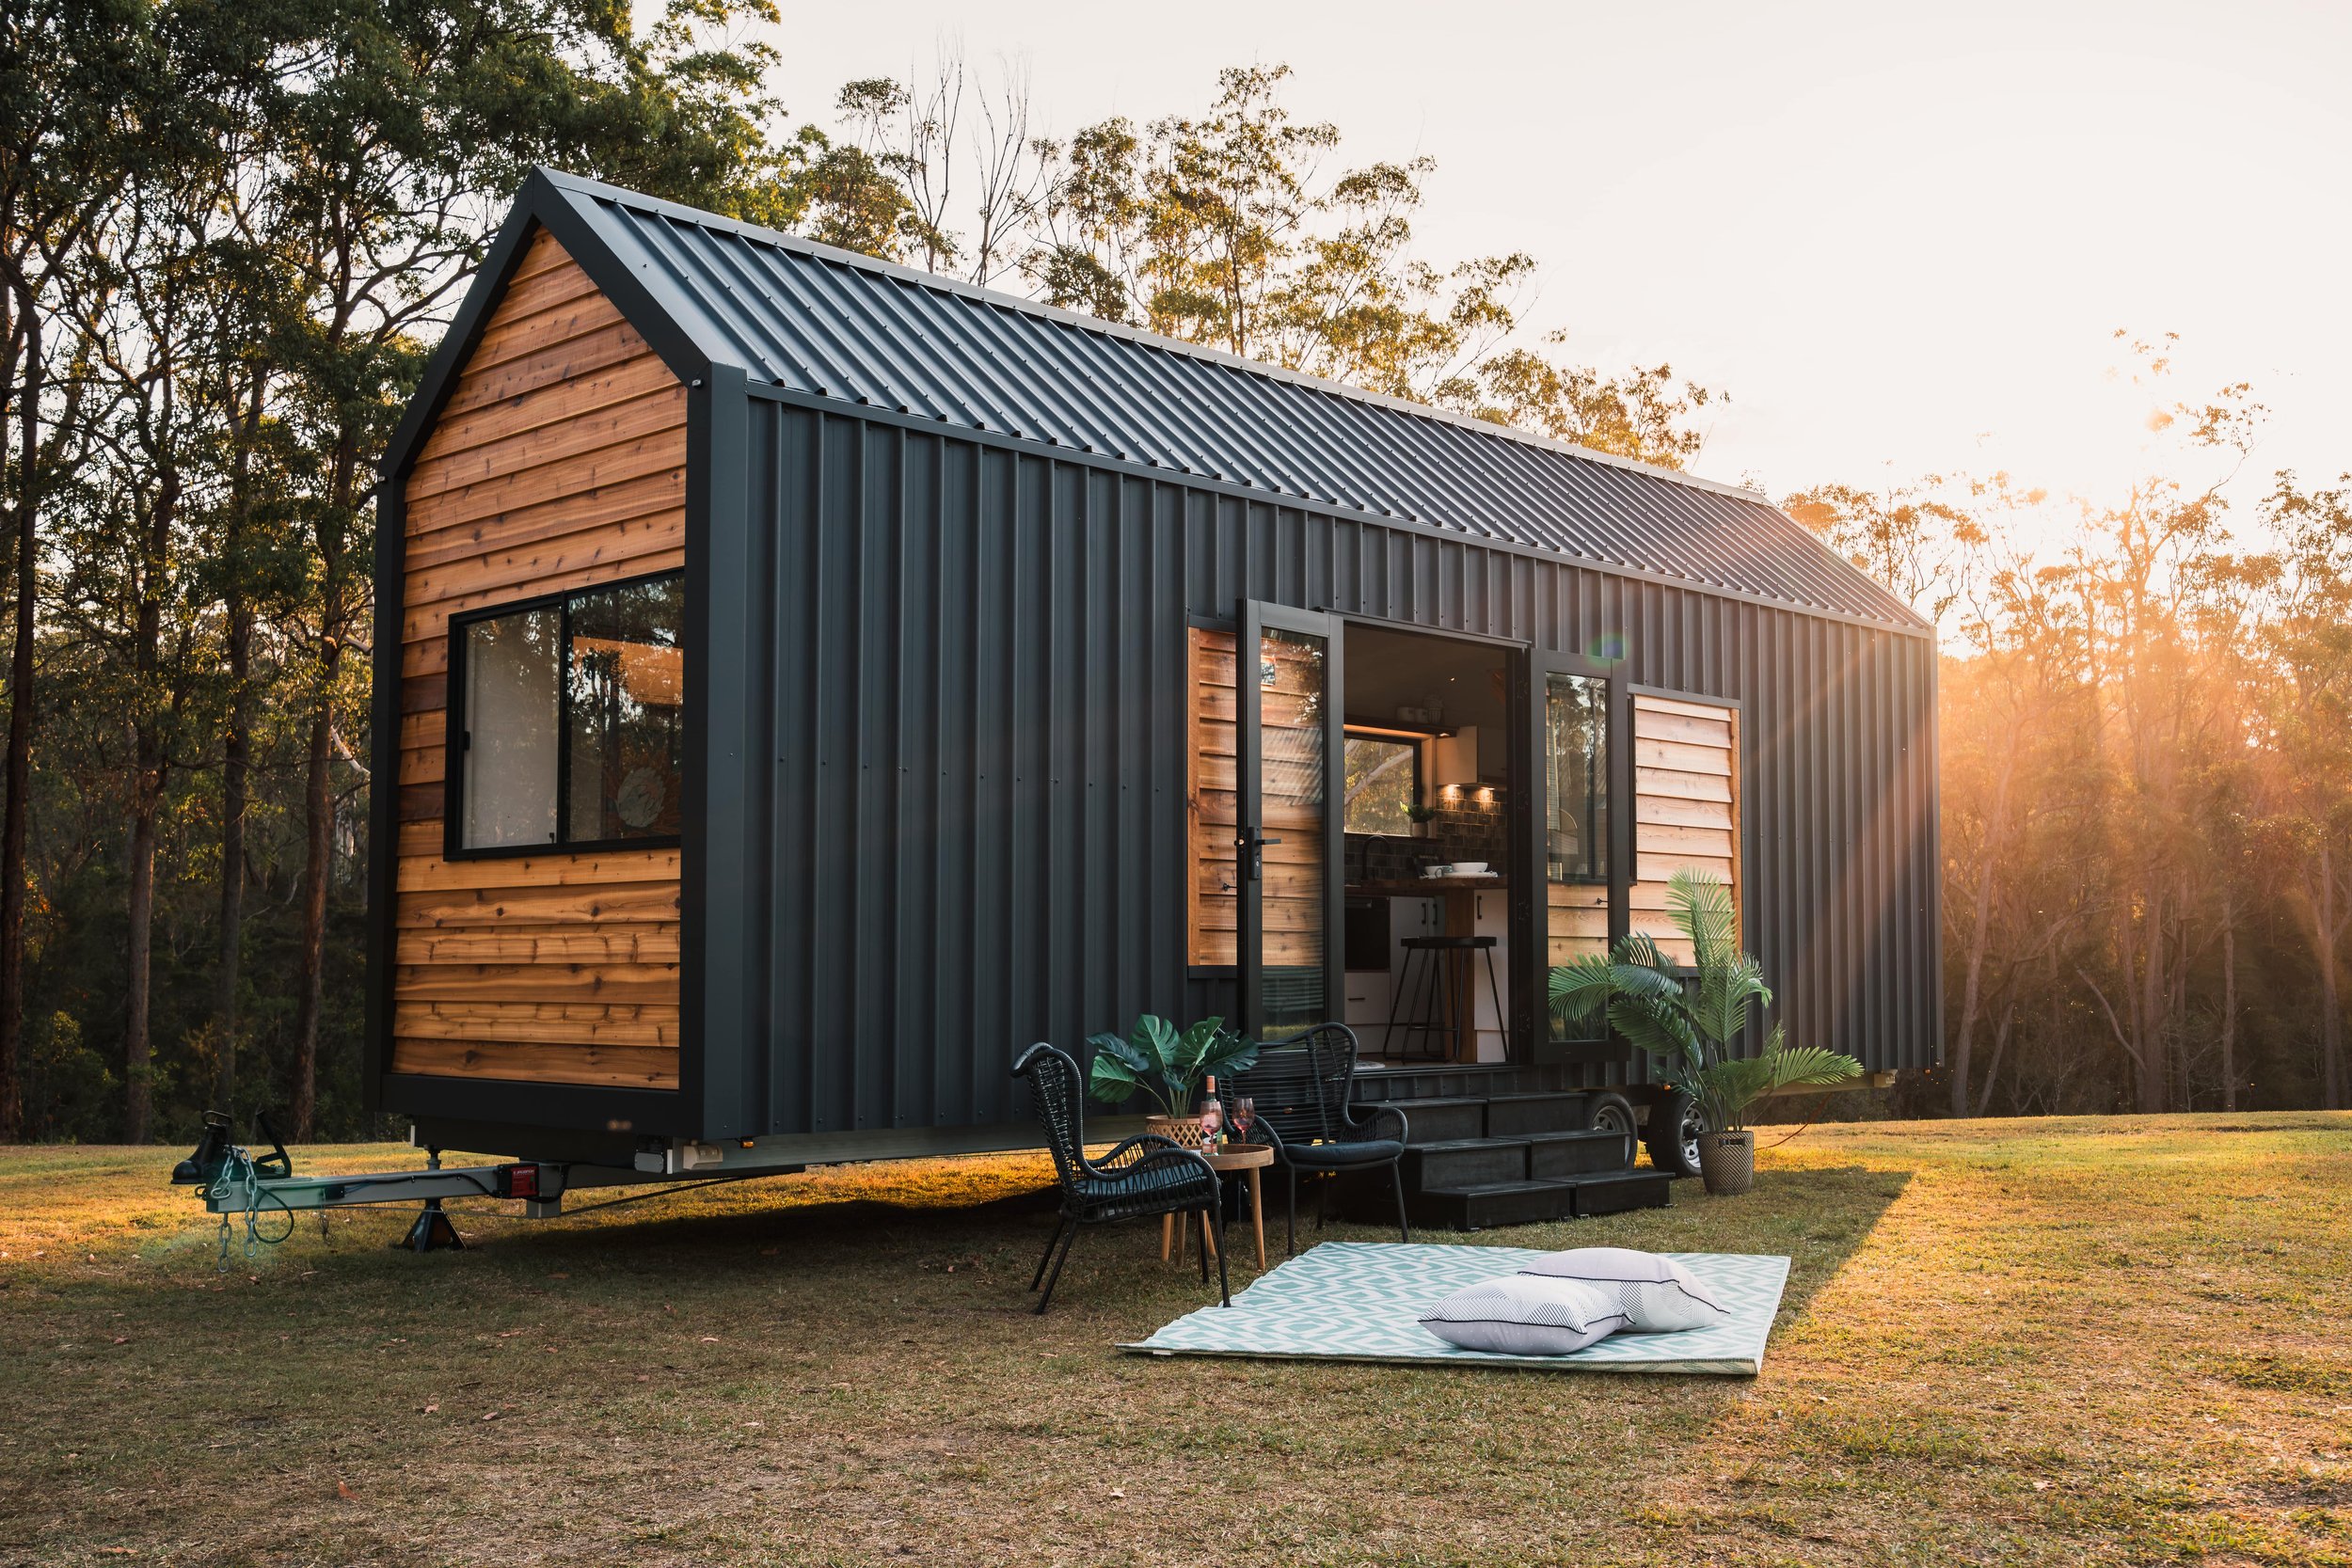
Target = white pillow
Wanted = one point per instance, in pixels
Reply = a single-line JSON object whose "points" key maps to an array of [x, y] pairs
{"points": [[1658, 1296], [1521, 1315]]}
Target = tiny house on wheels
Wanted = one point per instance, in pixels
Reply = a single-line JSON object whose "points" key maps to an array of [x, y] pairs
{"points": [[801, 683]]}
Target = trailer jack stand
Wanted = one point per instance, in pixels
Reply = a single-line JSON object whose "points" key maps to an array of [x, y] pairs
{"points": [[432, 1232]]}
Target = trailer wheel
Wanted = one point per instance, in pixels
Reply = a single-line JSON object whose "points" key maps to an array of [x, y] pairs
{"points": [[1611, 1112], [1675, 1127]]}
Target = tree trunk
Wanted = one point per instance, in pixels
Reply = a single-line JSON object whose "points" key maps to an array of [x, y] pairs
{"points": [[1995, 832], [13, 814], [2148, 1027], [2326, 934], [147, 792], [319, 818], [2229, 1000], [2000, 1048], [236, 762]]}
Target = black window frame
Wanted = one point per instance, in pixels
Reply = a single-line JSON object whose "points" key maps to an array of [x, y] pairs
{"points": [[1355, 731], [454, 739]]}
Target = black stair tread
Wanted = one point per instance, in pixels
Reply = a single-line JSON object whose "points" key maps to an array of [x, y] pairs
{"points": [[1444, 1144], [1538, 1093], [1496, 1189], [1609, 1177], [1574, 1134]]}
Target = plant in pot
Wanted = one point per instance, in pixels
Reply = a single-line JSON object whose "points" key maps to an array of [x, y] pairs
{"points": [[1422, 817], [1689, 1019], [1167, 1065]]}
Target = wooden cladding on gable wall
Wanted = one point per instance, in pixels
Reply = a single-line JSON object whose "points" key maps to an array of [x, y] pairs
{"points": [[1686, 806], [558, 462]]}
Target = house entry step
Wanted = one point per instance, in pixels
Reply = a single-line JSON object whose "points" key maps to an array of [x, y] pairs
{"points": [[1492, 1203], [1522, 1155]]}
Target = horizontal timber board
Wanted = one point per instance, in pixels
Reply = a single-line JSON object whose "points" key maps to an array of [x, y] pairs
{"points": [[547, 406], [584, 354], [541, 945], [590, 431], [583, 473], [613, 1065], [427, 873], [649, 902], [536, 982]]}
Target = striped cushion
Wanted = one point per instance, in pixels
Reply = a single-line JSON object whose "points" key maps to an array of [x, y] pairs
{"points": [[1522, 1315], [1658, 1296]]}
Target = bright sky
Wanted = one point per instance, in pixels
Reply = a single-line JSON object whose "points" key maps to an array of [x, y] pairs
{"points": [[1899, 235]]}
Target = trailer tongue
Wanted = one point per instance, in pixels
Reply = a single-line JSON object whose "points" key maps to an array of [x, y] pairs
{"points": [[236, 1180]]}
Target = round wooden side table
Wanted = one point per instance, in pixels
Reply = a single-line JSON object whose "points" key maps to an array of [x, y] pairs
{"points": [[1248, 1159]]}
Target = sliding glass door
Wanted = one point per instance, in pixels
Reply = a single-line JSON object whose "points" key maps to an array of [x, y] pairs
{"points": [[1290, 748]]}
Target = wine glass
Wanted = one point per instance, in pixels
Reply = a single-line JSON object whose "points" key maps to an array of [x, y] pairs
{"points": [[1245, 1115]]}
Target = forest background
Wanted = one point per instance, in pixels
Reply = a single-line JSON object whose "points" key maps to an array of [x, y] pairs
{"points": [[231, 235]]}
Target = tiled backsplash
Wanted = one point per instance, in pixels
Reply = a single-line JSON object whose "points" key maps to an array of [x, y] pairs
{"points": [[1466, 828]]}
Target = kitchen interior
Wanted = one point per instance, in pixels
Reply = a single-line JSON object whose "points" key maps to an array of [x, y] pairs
{"points": [[1427, 936]]}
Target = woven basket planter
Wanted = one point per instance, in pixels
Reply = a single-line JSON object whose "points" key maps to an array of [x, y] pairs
{"points": [[1728, 1162], [1184, 1130]]}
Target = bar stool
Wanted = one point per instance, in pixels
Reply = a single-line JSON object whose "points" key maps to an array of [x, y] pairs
{"points": [[1439, 956]]}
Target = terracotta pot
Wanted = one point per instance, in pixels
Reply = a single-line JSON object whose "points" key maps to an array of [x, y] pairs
{"points": [[1728, 1162]]}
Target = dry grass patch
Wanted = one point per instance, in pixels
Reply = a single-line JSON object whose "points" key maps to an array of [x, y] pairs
{"points": [[2027, 1342]]}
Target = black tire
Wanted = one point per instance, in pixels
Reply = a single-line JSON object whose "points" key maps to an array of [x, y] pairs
{"points": [[1611, 1112], [1672, 1134]]}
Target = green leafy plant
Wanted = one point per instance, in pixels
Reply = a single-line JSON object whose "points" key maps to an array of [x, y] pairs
{"points": [[1164, 1062], [1688, 1021], [1420, 813]]}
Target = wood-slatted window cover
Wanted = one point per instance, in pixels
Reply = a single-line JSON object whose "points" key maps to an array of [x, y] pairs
{"points": [[559, 462], [1686, 806], [1292, 899]]}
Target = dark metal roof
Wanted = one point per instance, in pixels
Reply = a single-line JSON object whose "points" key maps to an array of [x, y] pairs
{"points": [[831, 323]]}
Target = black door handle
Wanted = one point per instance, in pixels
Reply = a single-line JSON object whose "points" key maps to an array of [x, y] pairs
{"points": [[1253, 844]]}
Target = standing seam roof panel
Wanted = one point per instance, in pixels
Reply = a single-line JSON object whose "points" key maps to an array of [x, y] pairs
{"points": [[831, 324]]}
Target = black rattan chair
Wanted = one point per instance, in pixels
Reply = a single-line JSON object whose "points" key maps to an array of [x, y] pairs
{"points": [[1300, 1088], [1144, 1177]]}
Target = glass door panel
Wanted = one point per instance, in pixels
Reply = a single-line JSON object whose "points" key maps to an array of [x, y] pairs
{"points": [[1574, 827], [1289, 841], [1570, 844]]}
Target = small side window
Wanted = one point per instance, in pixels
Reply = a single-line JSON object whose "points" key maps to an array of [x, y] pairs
{"points": [[570, 725]]}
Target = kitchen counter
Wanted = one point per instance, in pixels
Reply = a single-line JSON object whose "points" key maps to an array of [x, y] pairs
{"points": [[1429, 887]]}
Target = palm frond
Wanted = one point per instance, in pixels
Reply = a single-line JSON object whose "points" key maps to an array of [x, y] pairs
{"points": [[1699, 904]]}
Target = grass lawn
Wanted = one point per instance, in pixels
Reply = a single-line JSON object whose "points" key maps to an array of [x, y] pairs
{"points": [[2117, 1341]]}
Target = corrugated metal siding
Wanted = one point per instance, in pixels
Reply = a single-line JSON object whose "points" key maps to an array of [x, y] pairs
{"points": [[829, 324], [970, 690]]}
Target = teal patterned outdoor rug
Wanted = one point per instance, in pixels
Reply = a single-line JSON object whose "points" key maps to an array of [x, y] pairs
{"points": [[1361, 1301]]}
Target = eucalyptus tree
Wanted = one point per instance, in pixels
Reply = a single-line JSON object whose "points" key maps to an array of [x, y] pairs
{"points": [[68, 133]]}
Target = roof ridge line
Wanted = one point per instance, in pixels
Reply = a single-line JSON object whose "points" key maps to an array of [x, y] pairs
{"points": [[621, 196]]}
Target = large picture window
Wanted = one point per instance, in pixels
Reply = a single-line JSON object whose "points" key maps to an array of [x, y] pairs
{"points": [[568, 729]]}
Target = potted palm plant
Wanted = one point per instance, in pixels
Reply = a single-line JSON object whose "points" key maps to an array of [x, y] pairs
{"points": [[1166, 1064], [1689, 1018]]}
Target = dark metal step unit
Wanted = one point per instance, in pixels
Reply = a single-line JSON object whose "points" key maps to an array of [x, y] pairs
{"points": [[1504, 1147]]}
